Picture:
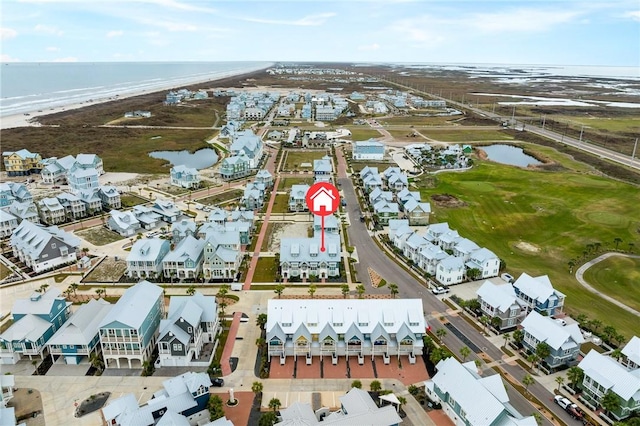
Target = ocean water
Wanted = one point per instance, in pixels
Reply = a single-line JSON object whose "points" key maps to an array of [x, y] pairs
{"points": [[28, 87]]}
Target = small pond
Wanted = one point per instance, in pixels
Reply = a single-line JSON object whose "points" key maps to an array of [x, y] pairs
{"points": [[200, 159], [511, 155]]}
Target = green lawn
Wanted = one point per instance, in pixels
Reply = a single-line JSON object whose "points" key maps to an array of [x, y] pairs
{"points": [[464, 135], [281, 204], [363, 133], [129, 200], [294, 158], [287, 182], [628, 124], [618, 277], [418, 121], [357, 166], [407, 135], [557, 213], [266, 270]]}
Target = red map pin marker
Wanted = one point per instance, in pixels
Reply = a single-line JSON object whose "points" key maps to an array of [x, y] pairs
{"points": [[322, 199]]}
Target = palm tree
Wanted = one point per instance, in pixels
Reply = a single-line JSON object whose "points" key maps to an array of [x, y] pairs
{"points": [[571, 264], [533, 359], [261, 320], [506, 337], [631, 245], [104, 292], [543, 350], [485, 320], [360, 289], [582, 319], [312, 290], [279, 290], [275, 404], [43, 288], [441, 332], [518, 337], [594, 325], [99, 292], [559, 381], [375, 386], [402, 401], [74, 287], [617, 241], [393, 288], [527, 381], [96, 361], [465, 352], [191, 290], [575, 376], [356, 384], [345, 290], [257, 388], [260, 342], [610, 402]]}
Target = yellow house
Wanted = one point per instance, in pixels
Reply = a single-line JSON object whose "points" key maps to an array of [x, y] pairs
{"points": [[22, 163]]}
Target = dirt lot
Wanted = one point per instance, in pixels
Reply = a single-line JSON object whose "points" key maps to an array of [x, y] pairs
{"points": [[109, 270], [287, 230]]}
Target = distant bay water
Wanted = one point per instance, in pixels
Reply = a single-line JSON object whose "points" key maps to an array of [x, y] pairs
{"points": [[28, 87]]}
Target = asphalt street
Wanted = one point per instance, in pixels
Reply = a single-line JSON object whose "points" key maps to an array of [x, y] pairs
{"points": [[370, 255]]}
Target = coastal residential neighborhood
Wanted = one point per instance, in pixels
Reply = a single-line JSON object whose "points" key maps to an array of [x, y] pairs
{"points": [[214, 296]]}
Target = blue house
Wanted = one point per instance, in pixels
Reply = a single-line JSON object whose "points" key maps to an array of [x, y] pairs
{"points": [[145, 258], [130, 330], [564, 340], [35, 320], [79, 337], [539, 294], [80, 178], [185, 177], [11, 191]]}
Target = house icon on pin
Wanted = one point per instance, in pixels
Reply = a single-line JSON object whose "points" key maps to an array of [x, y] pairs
{"points": [[323, 199]]}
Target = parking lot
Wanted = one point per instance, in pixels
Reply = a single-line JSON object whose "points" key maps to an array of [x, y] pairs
{"points": [[396, 369]]}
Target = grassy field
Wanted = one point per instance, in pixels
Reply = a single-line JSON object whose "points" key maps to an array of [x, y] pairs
{"points": [[406, 136], [287, 182], [272, 228], [281, 204], [618, 277], [129, 200], [556, 213], [363, 133], [234, 194], [418, 121], [464, 135], [295, 158], [4, 271], [121, 150], [381, 165], [266, 270], [99, 235], [627, 124]]}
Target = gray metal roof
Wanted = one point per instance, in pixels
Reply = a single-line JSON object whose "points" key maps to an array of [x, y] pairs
{"points": [[134, 305], [37, 303], [612, 375], [83, 325], [547, 330]]}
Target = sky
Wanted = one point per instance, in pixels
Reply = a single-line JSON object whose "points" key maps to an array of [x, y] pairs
{"points": [[559, 32]]}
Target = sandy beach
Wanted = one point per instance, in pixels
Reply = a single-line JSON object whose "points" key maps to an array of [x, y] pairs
{"points": [[30, 118]]}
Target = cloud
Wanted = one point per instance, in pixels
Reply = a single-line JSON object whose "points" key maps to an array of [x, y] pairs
{"points": [[52, 49], [7, 58], [306, 21], [67, 59], [369, 47], [115, 33], [7, 33], [519, 20], [48, 30], [423, 30], [632, 14]]}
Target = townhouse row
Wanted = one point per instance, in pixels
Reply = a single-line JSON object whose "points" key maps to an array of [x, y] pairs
{"points": [[126, 333]]}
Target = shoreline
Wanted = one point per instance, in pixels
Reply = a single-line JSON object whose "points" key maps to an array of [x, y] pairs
{"points": [[31, 120]]}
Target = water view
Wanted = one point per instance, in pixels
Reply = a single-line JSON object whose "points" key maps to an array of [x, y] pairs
{"points": [[511, 155], [200, 159]]}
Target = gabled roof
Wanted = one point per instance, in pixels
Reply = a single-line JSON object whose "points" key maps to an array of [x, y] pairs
{"points": [[474, 395], [171, 418], [538, 288], [547, 330], [501, 297], [299, 191], [612, 375], [452, 262], [124, 220], [83, 325], [37, 304], [206, 303], [147, 249], [120, 405], [188, 248], [169, 326], [632, 350], [6, 216], [188, 382], [134, 305], [482, 255], [30, 328]]}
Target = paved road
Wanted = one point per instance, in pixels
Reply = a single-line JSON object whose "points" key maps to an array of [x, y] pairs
{"points": [[580, 277], [411, 287]]}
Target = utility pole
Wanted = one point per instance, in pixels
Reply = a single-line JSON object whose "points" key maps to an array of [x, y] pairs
{"points": [[513, 116], [544, 119], [581, 131], [633, 155]]}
